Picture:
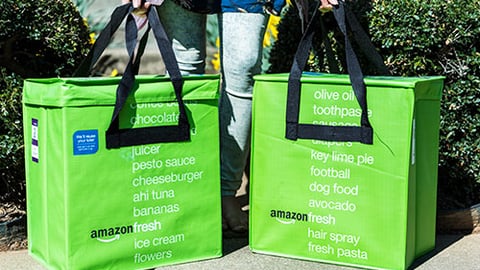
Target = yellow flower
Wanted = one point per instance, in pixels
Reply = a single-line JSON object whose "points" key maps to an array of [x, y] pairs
{"points": [[92, 37], [216, 56], [114, 72], [272, 32]]}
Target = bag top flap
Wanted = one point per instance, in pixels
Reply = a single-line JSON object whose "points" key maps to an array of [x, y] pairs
{"points": [[426, 87], [72, 92]]}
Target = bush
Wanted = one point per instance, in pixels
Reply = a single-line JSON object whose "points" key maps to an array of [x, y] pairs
{"points": [[440, 37], [416, 38], [290, 33], [42, 38], [12, 170]]}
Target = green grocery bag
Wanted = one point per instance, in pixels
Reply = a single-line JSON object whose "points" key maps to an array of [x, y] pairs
{"points": [[334, 180], [127, 179]]}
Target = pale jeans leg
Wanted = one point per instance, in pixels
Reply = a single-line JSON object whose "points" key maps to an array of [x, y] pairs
{"points": [[241, 59], [187, 31]]}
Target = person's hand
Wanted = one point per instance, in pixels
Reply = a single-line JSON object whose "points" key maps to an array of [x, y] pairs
{"points": [[327, 5], [141, 6], [141, 9]]}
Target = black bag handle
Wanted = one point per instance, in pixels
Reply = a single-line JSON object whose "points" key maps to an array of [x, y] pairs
{"points": [[116, 137], [101, 43], [362, 133]]}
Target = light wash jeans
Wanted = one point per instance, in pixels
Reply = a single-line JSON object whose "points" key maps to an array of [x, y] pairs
{"points": [[187, 32], [241, 36]]}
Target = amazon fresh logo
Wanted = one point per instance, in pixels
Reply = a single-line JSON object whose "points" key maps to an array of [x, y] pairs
{"points": [[290, 217], [107, 235]]}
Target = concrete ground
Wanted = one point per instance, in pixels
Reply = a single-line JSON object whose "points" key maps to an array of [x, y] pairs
{"points": [[459, 252]]}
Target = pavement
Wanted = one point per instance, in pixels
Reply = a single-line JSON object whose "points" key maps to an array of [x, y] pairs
{"points": [[452, 252]]}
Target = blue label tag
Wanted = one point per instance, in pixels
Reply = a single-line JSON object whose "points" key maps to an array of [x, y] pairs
{"points": [[85, 142]]}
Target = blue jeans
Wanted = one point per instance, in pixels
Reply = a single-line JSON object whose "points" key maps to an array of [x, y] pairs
{"points": [[241, 36]]}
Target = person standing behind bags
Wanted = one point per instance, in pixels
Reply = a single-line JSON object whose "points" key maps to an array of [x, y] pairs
{"points": [[242, 26]]}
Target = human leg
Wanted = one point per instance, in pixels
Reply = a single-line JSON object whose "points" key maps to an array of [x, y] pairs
{"points": [[187, 32], [241, 56]]}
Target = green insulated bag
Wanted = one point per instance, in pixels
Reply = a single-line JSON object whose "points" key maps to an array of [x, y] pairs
{"points": [[334, 180], [120, 179]]}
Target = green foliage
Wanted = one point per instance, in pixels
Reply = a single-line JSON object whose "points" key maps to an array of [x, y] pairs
{"points": [[415, 38], [438, 37], [41, 38], [12, 172], [290, 33]]}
